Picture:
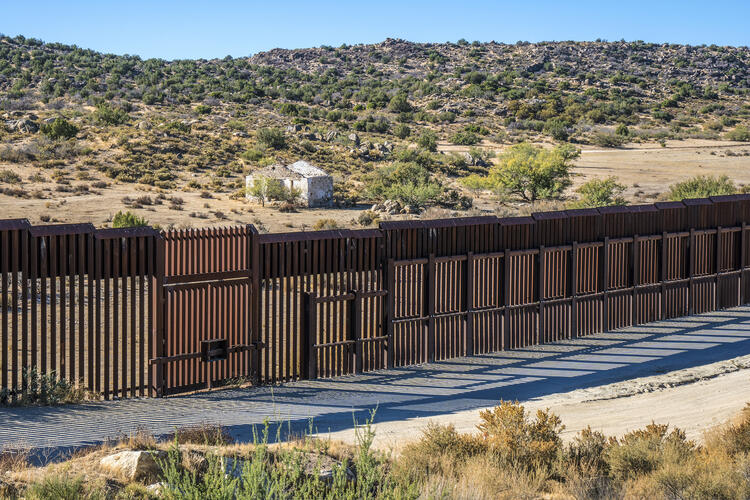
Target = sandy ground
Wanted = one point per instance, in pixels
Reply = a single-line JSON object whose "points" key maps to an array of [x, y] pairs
{"points": [[694, 399], [645, 169]]}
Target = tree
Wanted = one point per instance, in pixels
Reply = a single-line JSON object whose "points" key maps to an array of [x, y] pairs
{"points": [[271, 138], [600, 193], [59, 129], [464, 138], [128, 219], [529, 172], [701, 186], [110, 115], [267, 189], [406, 182], [556, 129], [428, 141]]}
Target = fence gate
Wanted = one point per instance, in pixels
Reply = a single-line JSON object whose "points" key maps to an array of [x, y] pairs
{"points": [[207, 307], [344, 333]]}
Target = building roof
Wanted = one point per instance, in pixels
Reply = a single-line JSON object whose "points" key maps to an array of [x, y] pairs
{"points": [[297, 170]]}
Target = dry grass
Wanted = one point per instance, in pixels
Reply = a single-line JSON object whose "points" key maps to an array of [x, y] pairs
{"points": [[515, 455]]}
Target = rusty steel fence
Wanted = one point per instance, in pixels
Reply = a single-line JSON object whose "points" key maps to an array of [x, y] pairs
{"points": [[136, 312]]}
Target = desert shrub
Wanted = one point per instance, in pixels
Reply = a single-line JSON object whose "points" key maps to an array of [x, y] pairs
{"points": [[735, 437], [518, 440], [586, 452], [9, 177], [271, 138], [709, 477], [529, 172], [557, 129], [59, 487], [406, 182], [428, 140], [701, 186], [204, 433], [43, 389], [739, 133], [622, 130], [202, 109], [402, 131], [59, 129], [368, 218], [106, 114], [609, 140], [645, 450], [464, 138], [600, 193], [324, 224], [399, 104], [128, 219]]}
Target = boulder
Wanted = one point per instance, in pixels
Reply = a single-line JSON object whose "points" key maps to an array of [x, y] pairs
{"points": [[354, 138], [331, 135], [155, 489], [143, 125], [134, 465], [391, 207], [22, 125], [294, 128]]}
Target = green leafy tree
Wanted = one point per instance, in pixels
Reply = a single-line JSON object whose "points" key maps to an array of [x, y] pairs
{"points": [[529, 172], [464, 138], [600, 193], [556, 129], [59, 129], [128, 219], [701, 186], [268, 189]]}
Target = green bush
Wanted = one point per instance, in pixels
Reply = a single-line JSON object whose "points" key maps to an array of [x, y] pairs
{"points": [[399, 104], [107, 114], [464, 138], [271, 138], [128, 219], [428, 140], [600, 193], [739, 133], [268, 189], [402, 131], [557, 129], [59, 129], [609, 140], [406, 182], [701, 186]]}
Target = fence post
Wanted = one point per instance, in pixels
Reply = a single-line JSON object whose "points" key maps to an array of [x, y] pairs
{"points": [[664, 275], [429, 290], [506, 299], [355, 316], [389, 313], [309, 355], [540, 294], [573, 290], [605, 284], [159, 316], [255, 304], [742, 264], [691, 271], [635, 258], [469, 301], [717, 259]]}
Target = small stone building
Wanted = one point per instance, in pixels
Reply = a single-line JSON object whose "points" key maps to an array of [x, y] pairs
{"points": [[316, 186]]}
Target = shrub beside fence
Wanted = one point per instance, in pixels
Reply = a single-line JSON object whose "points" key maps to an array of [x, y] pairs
{"points": [[135, 312]]}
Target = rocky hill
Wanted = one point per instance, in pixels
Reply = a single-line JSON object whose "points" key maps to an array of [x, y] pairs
{"points": [[202, 124]]}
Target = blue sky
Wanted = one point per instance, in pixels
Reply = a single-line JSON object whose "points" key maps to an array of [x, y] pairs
{"points": [[208, 29]]}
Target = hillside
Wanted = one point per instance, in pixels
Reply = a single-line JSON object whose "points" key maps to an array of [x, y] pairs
{"points": [[191, 126]]}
